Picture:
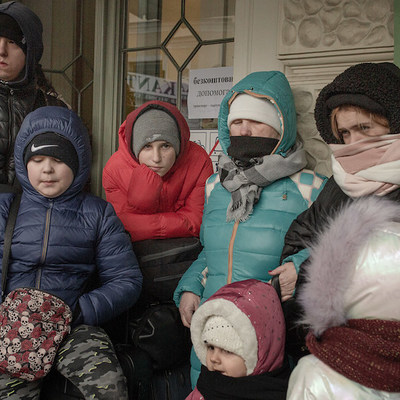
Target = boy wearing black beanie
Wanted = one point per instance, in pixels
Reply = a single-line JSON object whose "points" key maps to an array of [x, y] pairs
{"points": [[23, 86]]}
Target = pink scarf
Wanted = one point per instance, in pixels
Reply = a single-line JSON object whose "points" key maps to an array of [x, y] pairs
{"points": [[369, 166]]}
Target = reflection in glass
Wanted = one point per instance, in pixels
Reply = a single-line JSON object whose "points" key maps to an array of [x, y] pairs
{"points": [[164, 41]]}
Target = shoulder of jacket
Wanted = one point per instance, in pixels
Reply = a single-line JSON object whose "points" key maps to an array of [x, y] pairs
{"points": [[88, 205], [309, 183], [5, 202], [210, 184], [92, 200]]}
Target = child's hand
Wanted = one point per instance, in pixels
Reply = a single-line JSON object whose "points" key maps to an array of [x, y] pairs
{"points": [[144, 190], [287, 279], [188, 305]]}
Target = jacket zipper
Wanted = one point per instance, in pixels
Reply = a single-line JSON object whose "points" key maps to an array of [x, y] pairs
{"points": [[45, 244], [230, 251]]}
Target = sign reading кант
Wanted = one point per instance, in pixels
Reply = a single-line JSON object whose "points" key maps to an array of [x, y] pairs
{"points": [[207, 88]]}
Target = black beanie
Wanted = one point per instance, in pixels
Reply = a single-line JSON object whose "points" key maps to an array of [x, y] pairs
{"points": [[10, 29], [53, 145]]}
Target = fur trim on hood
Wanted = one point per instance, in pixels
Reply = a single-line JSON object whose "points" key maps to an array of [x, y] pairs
{"points": [[379, 82], [354, 267], [254, 311]]}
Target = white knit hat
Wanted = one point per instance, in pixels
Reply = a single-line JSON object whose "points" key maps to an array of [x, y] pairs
{"points": [[245, 106], [221, 323], [219, 332]]}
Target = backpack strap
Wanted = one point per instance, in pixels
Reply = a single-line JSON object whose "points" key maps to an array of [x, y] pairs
{"points": [[8, 234]]}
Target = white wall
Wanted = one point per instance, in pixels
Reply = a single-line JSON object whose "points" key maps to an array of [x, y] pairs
{"points": [[311, 42]]}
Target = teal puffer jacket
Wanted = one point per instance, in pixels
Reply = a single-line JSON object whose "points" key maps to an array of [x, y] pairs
{"points": [[236, 251], [245, 250]]}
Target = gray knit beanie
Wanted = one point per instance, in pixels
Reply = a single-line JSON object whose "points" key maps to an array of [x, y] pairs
{"points": [[155, 125]]}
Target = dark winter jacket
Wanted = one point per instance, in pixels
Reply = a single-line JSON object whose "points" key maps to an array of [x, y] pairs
{"points": [[307, 225], [64, 244], [380, 83], [18, 98]]}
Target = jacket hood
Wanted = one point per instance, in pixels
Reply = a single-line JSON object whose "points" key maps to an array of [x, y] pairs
{"points": [[67, 124], [254, 310], [354, 267], [269, 84], [379, 82], [32, 28], [125, 131]]}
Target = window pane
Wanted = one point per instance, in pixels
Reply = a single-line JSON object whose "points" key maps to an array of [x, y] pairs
{"points": [[150, 76], [182, 44], [149, 22], [68, 57], [212, 19], [152, 70]]}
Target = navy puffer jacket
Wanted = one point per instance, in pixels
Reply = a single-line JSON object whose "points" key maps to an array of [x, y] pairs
{"points": [[62, 245]]}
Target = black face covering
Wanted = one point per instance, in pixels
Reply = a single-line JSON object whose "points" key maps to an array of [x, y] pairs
{"points": [[245, 148], [267, 386]]}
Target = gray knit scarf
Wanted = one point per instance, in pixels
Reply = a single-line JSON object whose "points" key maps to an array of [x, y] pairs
{"points": [[246, 184]]}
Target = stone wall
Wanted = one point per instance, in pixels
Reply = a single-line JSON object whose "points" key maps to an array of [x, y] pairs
{"points": [[319, 39]]}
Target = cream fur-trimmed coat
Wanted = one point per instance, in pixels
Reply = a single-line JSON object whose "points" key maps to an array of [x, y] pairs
{"points": [[354, 273]]}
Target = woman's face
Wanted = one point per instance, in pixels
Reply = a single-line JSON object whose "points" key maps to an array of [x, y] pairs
{"points": [[354, 125], [248, 127]]}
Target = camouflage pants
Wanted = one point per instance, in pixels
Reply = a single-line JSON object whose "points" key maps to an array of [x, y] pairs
{"points": [[87, 359]]}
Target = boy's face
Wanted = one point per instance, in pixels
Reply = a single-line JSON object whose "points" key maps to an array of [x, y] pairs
{"points": [[159, 156], [49, 176], [12, 60], [225, 362]]}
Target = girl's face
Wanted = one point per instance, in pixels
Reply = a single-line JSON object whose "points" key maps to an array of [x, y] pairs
{"points": [[355, 124], [225, 362], [159, 156]]}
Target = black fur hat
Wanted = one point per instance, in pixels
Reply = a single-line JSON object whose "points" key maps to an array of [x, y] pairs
{"points": [[373, 86]]}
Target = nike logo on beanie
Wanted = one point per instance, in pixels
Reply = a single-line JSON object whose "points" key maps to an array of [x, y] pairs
{"points": [[54, 145], [37, 148]]}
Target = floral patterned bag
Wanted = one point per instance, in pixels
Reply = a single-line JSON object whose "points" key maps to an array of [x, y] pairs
{"points": [[33, 324]]}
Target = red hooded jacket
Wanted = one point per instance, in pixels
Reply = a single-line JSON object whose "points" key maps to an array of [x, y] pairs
{"points": [[154, 207]]}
